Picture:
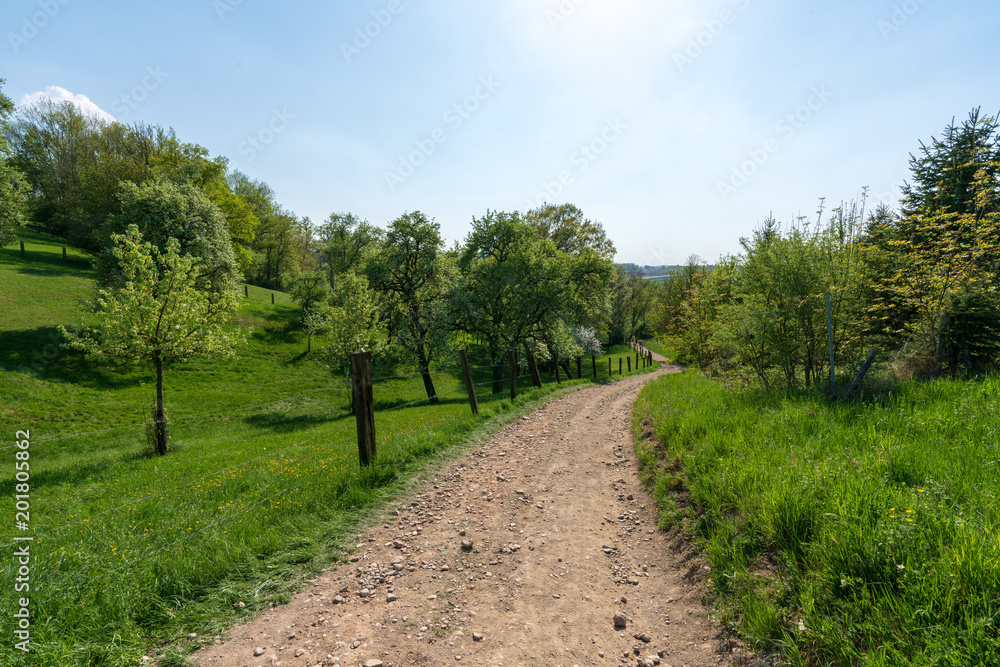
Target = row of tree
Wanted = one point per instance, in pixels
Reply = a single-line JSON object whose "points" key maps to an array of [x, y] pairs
{"points": [[71, 173], [921, 283]]}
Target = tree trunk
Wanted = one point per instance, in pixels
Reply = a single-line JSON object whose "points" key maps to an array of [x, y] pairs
{"points": [[497, 378], [425, 373], [160, 418]]}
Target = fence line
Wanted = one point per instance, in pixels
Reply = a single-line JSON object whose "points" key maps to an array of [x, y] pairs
{"points": [[224, 470], [244, 463]]}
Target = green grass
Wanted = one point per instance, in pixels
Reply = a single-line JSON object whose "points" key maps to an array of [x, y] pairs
{"points": [[860, 534], [662, 348], [133, 552]]}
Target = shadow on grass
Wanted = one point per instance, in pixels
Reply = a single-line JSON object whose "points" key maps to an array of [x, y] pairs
{"points": [[77, 474], [42, 353], [280, 422]]}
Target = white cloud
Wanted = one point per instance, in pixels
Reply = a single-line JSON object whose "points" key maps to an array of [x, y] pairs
{"points": [[60, 94]]}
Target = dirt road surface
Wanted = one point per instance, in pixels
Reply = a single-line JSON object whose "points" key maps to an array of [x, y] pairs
{"points": [[521, 552]]}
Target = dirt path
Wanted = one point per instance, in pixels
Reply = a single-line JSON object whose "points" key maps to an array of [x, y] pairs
{"points": [[559, 538]]}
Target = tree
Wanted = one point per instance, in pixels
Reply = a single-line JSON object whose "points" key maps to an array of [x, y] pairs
{"points": [[163, 210], [159, 313], [631, 298], [572, 233], [12, 184], [946, 270], [410, 271], [946, 169], [309, 290], [351, 323], [517, 287], [52, 142], [346, 242]]}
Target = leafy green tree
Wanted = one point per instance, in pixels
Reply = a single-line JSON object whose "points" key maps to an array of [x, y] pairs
{"points": [[159, 313], [12, 184], [631, 298], [517, 287], [351, 323], [52, 142], [163, 210], [411, 272], [345, 244], [309, 290], [566, 226]]}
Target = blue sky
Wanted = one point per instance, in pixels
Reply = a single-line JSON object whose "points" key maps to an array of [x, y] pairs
{"points": [[679, 125]]}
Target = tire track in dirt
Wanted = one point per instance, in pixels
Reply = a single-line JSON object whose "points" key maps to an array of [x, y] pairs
{"points": [[559, 538]]}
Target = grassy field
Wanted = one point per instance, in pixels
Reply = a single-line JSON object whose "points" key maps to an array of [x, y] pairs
{"points": [[661, 348], [261, 490], [861, 534]]}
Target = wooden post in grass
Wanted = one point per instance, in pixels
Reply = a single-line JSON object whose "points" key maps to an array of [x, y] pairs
{"points": [[861, 375], [609, 367], [64, 255], [629, 360], [829, 329], [512, 358], [246, 291], [22, 249], [364, 409], [619, 366], [593, 358], [555, 362], [469, 386], [272, 298], [536, 377]]}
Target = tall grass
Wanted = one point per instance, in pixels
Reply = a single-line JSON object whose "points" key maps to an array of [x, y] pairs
{"points": [[860, 534]]}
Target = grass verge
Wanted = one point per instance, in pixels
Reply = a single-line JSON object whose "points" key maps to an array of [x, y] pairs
{"points": [[858, 534]]}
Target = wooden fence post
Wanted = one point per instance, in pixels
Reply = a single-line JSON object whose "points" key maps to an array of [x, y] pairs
{"points": [[619, 366], [829, 329], [64, 254], [246, 291], [364, 408], [536, 377], [469, 386], [609, 367], [22, 249], [555, 362], [593, 358], [861, 375], [272, 298], [513, 374], [629, 360]]}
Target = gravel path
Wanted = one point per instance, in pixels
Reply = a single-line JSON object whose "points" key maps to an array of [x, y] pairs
{"points": [[524, 551]]}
